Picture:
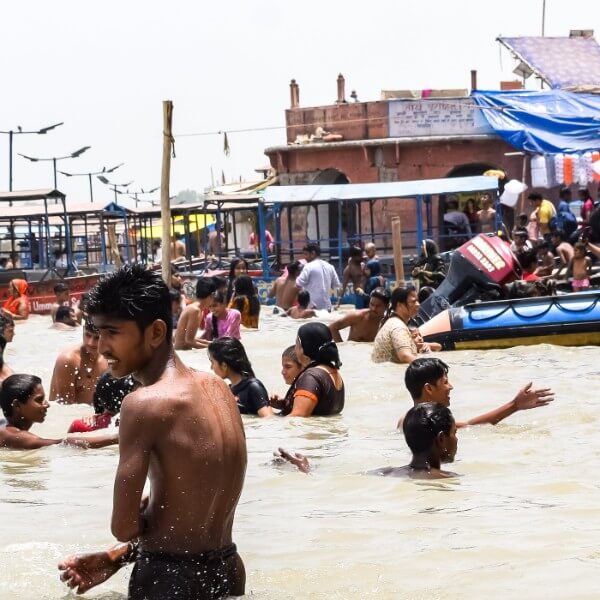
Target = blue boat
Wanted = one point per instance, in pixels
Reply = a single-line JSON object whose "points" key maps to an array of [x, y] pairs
{"points": [[566, 320]]}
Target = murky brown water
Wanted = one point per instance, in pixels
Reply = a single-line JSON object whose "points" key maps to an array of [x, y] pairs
{"points": [[522, 521]]}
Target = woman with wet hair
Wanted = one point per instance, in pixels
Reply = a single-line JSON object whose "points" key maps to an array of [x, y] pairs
{"points": [[319, 388], [237, 268], [245, 301]]}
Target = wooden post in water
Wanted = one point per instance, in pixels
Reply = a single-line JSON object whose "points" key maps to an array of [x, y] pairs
{"points": [[165, 206], [397, 246]]}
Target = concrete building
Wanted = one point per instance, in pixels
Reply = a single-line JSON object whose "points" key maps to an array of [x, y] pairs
{"points": [[404, 136]]}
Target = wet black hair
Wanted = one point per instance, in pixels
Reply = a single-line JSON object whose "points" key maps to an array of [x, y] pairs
{"points": [[399, 296], [423, 423], [205, 286], [230, 351], [303, 299], [355, 252], [220, 282], [317, 343], [110, 392], [528, 258], [290, 352], [63, 313], [381, 294], [60, 287], [5, 321], [133, 293], [175, 295], [234, 263], [294, 268], [17, 387], [220, 298], [243, 287], [422, 371]]}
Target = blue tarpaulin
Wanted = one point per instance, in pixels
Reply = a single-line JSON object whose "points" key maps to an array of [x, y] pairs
{"points": [[543, 122]]}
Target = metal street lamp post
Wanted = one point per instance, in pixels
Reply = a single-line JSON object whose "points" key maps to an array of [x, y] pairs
{"points": [[114, 186], [20, 131], [89, 176], [54, 159]]}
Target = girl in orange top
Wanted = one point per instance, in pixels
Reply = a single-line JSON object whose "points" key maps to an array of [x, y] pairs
{"points": [[246, 301], [18, 304]]}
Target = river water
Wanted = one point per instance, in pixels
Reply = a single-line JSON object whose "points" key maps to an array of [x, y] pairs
{"points": [[522, 521]]}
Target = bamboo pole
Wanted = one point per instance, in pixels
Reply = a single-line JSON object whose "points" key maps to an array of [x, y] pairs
{"points": [[397, 246], [165, 207]]}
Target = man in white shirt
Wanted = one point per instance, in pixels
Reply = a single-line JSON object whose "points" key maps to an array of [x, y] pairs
{"points": [[318, 278]]}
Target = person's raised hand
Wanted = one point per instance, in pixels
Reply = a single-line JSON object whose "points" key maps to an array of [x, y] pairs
{"points": [[276, 402], [529, 397], [82, 572], [298, 460]]}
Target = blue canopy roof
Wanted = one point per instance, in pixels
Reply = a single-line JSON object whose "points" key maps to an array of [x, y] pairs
{"points": [[367, 191], [543, 122]]}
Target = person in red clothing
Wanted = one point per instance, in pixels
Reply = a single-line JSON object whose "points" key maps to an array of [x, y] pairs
{"points": [[588, 205], [528, 261]]}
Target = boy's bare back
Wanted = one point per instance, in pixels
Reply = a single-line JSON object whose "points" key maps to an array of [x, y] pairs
{"points": [[189, 427]]}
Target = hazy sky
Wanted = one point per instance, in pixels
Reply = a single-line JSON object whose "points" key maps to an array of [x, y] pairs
{"points": [[104, 67]]}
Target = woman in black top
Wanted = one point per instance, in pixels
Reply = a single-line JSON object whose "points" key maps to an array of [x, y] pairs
{"points": [[228, 360], [319, 388]]}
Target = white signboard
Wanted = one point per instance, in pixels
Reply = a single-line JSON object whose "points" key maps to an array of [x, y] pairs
{"points": [[443, 116]]}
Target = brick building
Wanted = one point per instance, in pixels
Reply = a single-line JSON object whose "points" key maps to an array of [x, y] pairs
{"points": [[398, 138]]}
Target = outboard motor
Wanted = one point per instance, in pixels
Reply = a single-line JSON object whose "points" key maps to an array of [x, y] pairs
{"points": [[478, 270]]}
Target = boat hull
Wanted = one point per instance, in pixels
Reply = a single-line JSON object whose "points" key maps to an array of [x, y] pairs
{"points": [[41, 293], [569, 320]]}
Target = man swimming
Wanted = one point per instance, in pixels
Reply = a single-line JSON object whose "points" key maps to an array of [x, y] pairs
{"points": [[430, 433], [364, 323], [426, 379], [77, 369], [24, 403], [183, 430]]}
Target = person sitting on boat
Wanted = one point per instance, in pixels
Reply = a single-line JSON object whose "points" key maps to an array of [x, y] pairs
{"points": [[354, 273], [24, 403], [394, 342], [220, 322], [546, 259], [245, 300], [430, 270], [430, 433], [64, 319], [254, 242], [562, 248], [520, 241], [77, 369], [364, 324], [529, 263], [237, 267], [319, 389], [17, 305], [284, 288], [426, 379], [580, 268], [187, 332], [301, 310], [228, 360]]}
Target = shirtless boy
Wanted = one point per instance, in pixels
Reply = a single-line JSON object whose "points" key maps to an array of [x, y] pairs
{"points": [[284, 289], [426, 379], [301, 311], [77, 369], [430, 433], [186, 335], [183, 430], [363, 323], [353, 273], [580, 268], [24, 403], [61, 291]]}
